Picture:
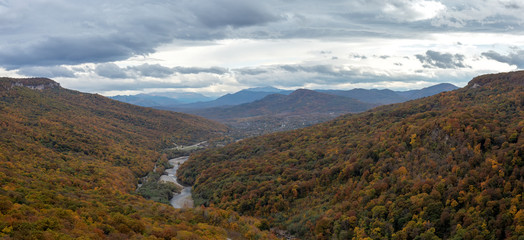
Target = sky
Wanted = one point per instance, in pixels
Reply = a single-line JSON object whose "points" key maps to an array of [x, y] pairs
{"points": [[214, 47]]}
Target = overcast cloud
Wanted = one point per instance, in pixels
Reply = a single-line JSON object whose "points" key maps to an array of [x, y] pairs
{"points": [[220, 46]]}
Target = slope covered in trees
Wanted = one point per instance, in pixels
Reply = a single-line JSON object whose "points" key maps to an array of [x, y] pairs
{"points": [[449, 166], [70, 161]]}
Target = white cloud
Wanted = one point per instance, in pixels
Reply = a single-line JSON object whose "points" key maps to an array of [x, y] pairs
{"points": [[413, 10]]}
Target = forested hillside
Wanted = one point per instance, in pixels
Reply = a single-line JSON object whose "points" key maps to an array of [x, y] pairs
{"points": [[449, 166], [70, 161]]}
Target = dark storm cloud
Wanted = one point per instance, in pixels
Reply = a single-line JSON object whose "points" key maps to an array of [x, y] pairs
{"points": [[74, 50], [434, 59], [514, 58], [56, 32], [48, 72]]}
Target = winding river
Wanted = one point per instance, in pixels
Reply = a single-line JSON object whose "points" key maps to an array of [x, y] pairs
{"points": [[182, 199]]}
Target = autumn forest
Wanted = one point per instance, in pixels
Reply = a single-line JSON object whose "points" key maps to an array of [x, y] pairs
{"points": [[448, 166]]}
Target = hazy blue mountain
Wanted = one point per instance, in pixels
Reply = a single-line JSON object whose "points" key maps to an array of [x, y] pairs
{"points": [[429, 91]]}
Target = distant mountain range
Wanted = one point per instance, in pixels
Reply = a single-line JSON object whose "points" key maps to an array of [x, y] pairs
{"points": [[181, 101]]}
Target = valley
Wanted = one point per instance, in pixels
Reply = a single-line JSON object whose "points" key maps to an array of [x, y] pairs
{"points": [[262, 120], [440, 167]]}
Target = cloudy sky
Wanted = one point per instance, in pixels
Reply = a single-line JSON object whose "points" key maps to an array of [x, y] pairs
{"points": [[219, 46]]}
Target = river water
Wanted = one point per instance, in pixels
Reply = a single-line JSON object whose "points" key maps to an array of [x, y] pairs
{"points": [[183, 199]]}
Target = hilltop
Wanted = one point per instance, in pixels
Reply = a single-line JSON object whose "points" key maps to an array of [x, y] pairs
{"points": [[448, 166]]}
